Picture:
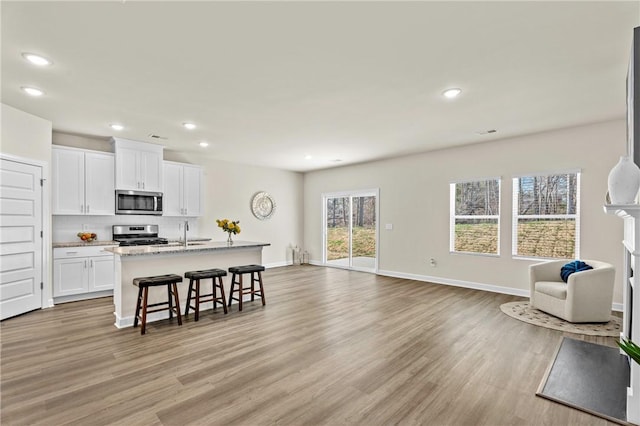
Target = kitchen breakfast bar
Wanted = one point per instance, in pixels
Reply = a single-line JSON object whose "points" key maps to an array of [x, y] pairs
{"points": [[145, 261]]}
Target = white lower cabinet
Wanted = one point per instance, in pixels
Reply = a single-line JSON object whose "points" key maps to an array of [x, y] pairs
{"points": [[80, 270]]}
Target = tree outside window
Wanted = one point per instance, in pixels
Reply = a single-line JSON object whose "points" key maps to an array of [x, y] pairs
{"points": [[475, 216], [546, 215]]}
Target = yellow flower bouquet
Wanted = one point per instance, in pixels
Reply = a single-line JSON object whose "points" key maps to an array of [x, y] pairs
{"points": [[229, 226]]}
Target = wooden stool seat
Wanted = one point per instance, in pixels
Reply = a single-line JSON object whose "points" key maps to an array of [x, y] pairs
{"points": [[172, 304], [237, 273], [194, 287]]}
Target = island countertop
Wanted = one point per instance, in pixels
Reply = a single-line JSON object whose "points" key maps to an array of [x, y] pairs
{"points": [[144, 261], [177, 248]]}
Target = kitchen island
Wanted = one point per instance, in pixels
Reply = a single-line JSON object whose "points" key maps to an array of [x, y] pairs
{"points": [[143, 261]]}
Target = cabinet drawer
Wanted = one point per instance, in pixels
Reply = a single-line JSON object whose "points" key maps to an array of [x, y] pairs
{"points": [[70, 252]]}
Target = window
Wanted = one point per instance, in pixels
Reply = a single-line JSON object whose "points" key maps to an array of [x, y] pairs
{"points": [[546, 216], [475, 216]]}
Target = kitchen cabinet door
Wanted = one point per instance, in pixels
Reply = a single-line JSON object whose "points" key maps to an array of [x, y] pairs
{"points": [[68, 182], [99, 184], [138, 165], [182, 190], [127, 165], [172, 195], [70, 276], [192, 190], [101, 273], [151, 170]]}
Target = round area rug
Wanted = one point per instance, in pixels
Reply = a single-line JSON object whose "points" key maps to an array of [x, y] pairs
{"points": [[523, 312]]}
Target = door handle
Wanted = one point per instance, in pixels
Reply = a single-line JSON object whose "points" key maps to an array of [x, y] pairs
{"points": [[91, 262], [85, 264]]}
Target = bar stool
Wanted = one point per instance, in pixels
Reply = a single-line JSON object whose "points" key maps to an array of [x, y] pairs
{"points": [[239, 271], [216, 280], [172, 303]]}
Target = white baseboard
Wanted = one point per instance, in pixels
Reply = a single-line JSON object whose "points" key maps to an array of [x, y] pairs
{"points": [[473, 285], [83, 296], [458, 283], [277, 264]]}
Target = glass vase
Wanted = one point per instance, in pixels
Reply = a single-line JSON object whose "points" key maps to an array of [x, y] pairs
{"points": [[229, 240]]}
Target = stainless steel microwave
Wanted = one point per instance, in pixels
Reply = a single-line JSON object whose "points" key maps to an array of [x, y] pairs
{"points": [[138, 202]]}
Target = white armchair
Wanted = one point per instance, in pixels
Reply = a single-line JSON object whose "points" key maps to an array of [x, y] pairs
{"points": [[585, 297]]}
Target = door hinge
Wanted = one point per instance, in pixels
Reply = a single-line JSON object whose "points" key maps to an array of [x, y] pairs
{"points": [[41, 286], [41, 234], [41, 182]]}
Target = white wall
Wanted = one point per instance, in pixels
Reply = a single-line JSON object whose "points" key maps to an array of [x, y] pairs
{"points": [[414, 197], [228, 188], [24, 135]]}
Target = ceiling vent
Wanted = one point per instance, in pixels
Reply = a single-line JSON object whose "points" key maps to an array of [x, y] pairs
{"points": [[486, 132], [154, 136]]}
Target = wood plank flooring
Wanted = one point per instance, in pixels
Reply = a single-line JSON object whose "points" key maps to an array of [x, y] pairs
{"points": [[330, 347]]}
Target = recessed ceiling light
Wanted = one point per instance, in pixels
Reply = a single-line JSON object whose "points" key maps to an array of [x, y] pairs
{"points": [[451, 93], [308, 157], [115, 126], [32, 91], [189, 126], [204, 144], [38, 60]]}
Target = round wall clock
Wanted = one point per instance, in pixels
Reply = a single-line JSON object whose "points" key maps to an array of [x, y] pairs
{"points": [[262, 205]]}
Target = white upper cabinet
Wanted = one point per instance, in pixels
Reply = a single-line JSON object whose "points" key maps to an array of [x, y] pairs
{"points": [[182, 189], [83, 182], [99, 190], [192, 190], [138, 165]]}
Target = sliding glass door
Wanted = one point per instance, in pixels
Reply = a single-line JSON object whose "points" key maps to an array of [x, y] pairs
{"points": [[351, 230]]}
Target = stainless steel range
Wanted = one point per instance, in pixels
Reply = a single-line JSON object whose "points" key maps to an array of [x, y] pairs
{"points": [[137, 235]]}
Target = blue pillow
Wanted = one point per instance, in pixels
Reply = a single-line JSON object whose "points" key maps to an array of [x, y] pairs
{"points": [[571, 267]]}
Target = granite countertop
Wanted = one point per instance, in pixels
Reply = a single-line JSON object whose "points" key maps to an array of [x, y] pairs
{"points": [[194, 247], [80, 243], [83, 244], [177, 240]]}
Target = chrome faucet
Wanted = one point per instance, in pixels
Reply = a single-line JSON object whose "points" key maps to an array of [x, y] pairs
{"points": [[186, 228]]}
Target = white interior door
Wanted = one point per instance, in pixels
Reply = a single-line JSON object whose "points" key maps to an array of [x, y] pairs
{"points": [[20, 238]]}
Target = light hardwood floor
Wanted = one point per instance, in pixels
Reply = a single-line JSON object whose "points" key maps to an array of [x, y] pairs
{"points": [[330, 347]]}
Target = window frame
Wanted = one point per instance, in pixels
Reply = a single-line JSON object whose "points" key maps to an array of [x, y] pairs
{"points": [[515, 216], [453, 216]]}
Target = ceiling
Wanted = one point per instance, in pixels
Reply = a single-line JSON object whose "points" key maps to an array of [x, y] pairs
{"points": [[268, 83]]}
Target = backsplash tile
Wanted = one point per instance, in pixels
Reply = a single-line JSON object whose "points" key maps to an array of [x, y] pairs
{"points": [[66, 228]]}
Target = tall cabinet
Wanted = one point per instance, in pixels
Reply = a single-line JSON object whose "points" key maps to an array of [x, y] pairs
{"points": [[630, 214]]}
